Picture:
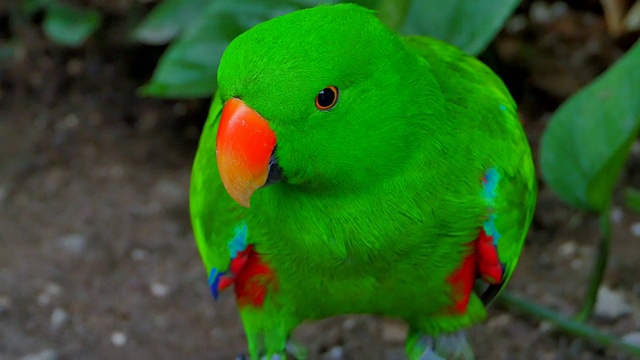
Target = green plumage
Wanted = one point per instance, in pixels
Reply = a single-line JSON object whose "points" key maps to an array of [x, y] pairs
{"points": [[383, 193]]}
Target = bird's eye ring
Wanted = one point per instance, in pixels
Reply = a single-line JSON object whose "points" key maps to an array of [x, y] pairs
{"points": [[327, 98]]}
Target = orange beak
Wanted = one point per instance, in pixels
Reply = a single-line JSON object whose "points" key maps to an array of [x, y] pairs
{"points": [[244, 145]]}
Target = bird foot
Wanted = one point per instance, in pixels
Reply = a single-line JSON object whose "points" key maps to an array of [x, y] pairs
{"points": [[298, 351], [452, 346]]}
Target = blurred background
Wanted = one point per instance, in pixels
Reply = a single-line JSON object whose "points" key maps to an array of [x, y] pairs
{"points": [[97, 258]]}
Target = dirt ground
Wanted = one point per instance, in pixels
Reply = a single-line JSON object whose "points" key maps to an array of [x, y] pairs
{"points": [[97, 259]]}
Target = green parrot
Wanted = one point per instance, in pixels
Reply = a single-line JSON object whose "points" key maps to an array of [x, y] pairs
{"points": [[346, 169]]}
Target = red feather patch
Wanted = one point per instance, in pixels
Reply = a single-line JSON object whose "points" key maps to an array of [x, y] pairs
{"points": [[462, 281], [489, 266], [482, 262], [251, 276]]}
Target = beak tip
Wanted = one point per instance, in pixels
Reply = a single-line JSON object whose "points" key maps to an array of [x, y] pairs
{"points": [[242, 198]]}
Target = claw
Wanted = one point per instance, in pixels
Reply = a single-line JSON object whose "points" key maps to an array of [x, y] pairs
{"points": [[430, 355], [454, 346], [296, 349], [447, 346], [429, 349]]}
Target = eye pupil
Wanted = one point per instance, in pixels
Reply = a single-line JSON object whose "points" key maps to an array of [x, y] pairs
{"points": [[327, 98]]}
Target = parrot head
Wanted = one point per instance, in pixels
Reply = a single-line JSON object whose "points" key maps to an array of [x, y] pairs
{"points": [[315, 99]]}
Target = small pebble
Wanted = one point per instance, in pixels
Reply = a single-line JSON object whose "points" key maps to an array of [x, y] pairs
{"points": [[71, 120], [5, 304], [192, 132], [73, 243], [543, 13], [559, 9], [147, 121], [545, 326], [577, 264], [150, 208], [179, 109], [617, 215], [544, 259], [159, 290], [219, 333], [499, 321], [516, 24], [540, 12], [139, 254], [336, 353], [568, 249], [51, 290], [116, 172], [635, 148], [349, 324], [47, 354], [59, 318], [75, 67], [632, 338], [394, 332], [635, 229], [160, 321], [611, 304], [3, 193], [118, 338], [170, 192]]}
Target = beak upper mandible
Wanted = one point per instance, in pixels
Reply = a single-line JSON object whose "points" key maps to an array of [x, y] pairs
{"points": [[244, 144]]}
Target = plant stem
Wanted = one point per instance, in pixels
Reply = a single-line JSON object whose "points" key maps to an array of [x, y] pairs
{"points": [[393, 13], [566, 324], [602, 257]]}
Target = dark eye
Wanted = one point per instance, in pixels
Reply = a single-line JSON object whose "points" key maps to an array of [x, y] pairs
{"points": [[327, 98]]}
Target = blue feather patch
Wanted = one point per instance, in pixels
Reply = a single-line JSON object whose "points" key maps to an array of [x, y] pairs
{"points": [[214, 280], [490, 181], [236, 245], [239, 241], [490, 229], [490, 184]]}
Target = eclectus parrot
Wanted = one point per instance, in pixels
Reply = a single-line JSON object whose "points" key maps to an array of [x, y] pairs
{"points": [[346, 169]]}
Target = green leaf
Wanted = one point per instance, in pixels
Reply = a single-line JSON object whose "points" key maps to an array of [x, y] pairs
{"points": [[29, 7], [167, 20], [369, 4], [70, 26], [632, 199], [188, 68], [587, 140], [467, 24], [394, 13], [8, 51]]}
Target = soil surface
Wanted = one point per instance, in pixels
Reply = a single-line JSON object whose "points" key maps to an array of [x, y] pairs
{"points": [[97, 258]]}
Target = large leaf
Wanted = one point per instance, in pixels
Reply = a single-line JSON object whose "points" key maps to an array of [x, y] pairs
{"points": [[587, 140], [467, 24], [167, 19], [68, 25], [29, 7], [394, 13], [188, 68], [632, 199]]}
